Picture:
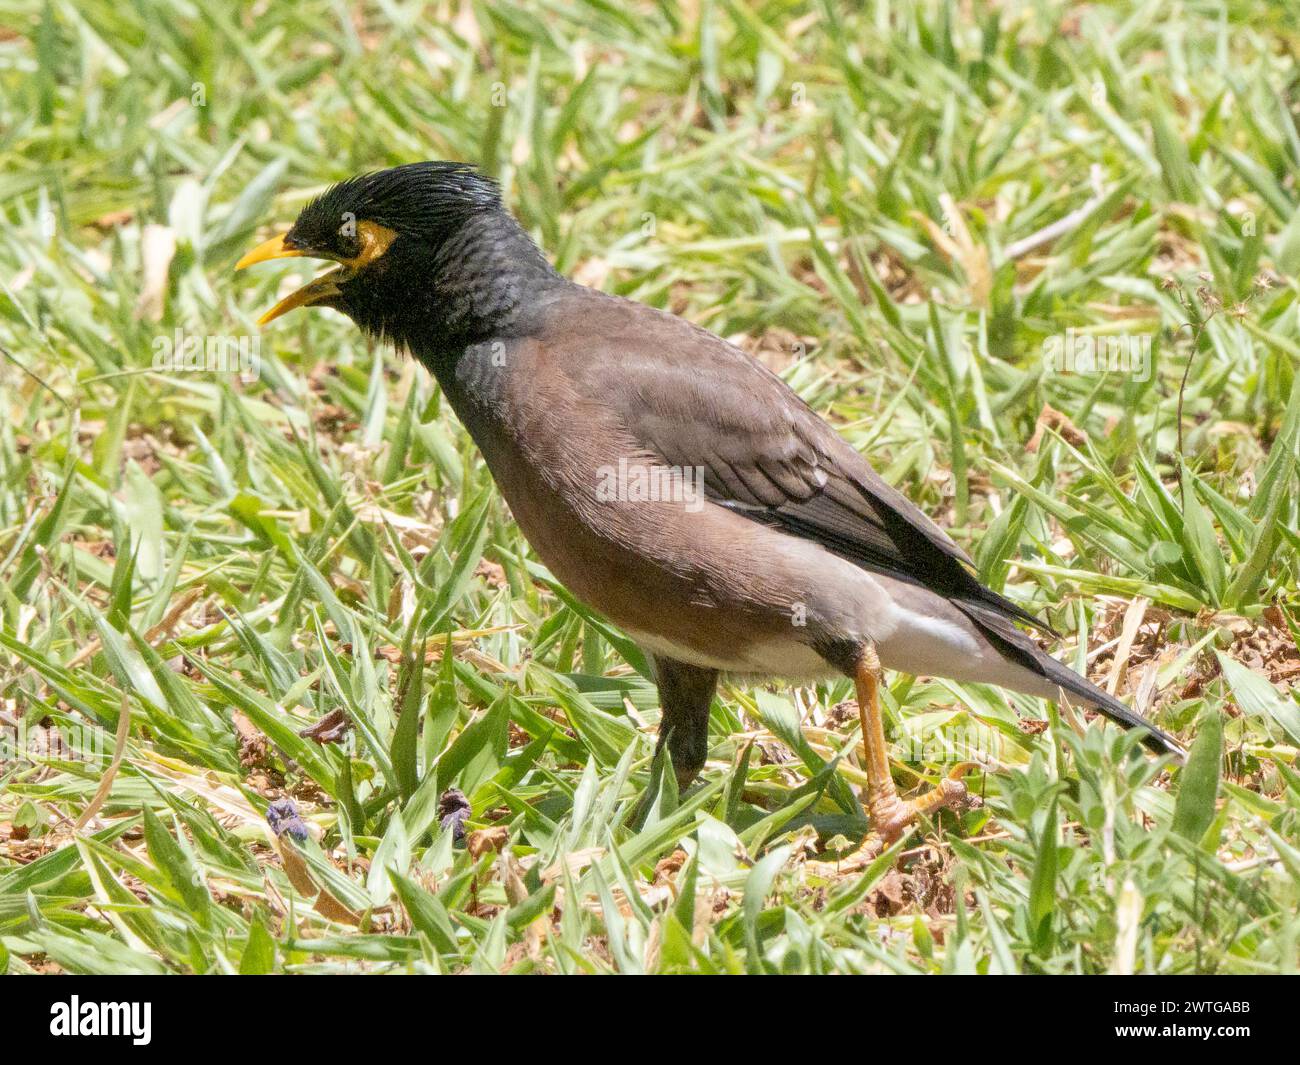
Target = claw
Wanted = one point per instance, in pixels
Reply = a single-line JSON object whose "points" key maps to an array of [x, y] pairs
{"points": [[891, 816]]}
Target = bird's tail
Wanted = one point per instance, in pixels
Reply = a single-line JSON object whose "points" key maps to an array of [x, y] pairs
{"points": [[992, 620]]}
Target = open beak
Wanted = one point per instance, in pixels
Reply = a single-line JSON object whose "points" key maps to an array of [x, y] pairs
{"points": [[320, 290]]}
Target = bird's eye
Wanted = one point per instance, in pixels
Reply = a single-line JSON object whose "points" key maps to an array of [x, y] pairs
{"points": [[348, 242]]}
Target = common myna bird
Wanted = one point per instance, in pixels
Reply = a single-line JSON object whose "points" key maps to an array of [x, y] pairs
{"points": [[670, 481]]}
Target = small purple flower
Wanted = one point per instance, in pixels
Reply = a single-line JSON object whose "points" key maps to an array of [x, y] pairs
{"points": [[453, 812], [282, 815]]}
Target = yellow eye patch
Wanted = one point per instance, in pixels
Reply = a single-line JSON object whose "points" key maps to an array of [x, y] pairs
{"points": [[375, 240]]}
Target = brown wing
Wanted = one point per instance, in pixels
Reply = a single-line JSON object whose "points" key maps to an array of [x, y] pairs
{"points": [[695, 400]]}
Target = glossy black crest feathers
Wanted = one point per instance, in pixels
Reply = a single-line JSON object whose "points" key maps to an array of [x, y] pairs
{"points": [[425, 200]]}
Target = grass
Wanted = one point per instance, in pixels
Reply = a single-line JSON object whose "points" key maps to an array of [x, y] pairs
{"points": [[195, 567]]}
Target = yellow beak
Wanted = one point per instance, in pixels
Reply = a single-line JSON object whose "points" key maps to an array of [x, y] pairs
{"points": [[313, 292], [275, 248], [318, 291]]}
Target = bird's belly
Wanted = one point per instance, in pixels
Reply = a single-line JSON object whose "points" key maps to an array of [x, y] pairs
{"points": [[680, 612], [771, 657], [695, 584]]}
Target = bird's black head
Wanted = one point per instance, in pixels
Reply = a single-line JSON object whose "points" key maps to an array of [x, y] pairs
{"points": [[427, 254]]}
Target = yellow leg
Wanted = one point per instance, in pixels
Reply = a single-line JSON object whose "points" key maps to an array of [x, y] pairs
{"points": [[890, 815]]}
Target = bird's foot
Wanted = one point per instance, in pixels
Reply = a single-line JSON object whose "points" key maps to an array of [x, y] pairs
{"points": [[892, 816]]}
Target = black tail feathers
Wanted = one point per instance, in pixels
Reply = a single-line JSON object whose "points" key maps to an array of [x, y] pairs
{"points": [[993, 620]]}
